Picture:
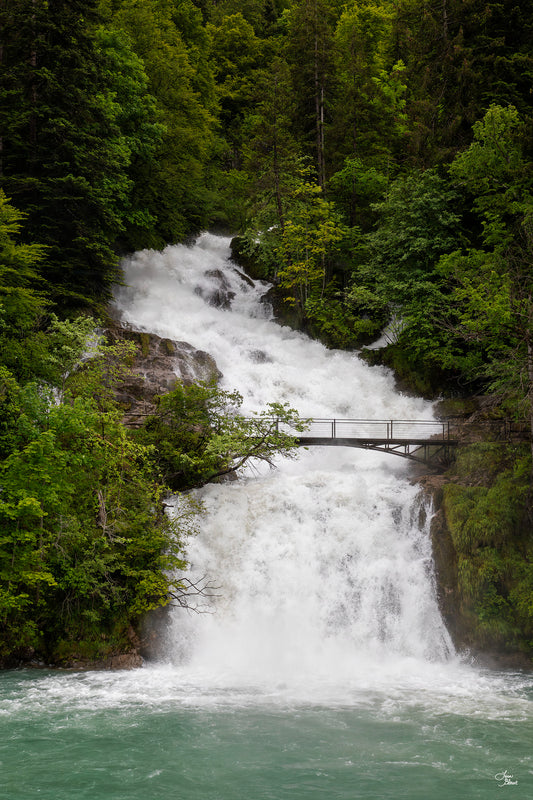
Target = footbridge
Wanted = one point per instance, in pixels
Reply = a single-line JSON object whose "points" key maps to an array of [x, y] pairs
{"points": [[424, 441]]}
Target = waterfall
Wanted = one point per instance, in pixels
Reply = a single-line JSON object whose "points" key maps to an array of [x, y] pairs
{"points": [[322, 669], [323, 565]]}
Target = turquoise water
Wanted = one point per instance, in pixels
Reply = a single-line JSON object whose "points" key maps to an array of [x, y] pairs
{"points": [[140, 735]]}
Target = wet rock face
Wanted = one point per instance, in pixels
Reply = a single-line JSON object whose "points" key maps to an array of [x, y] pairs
{"points": [[131, 660], [260, 357], [157, 366], [219, 293]]}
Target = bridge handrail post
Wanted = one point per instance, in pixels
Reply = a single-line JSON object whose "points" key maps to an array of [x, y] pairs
{"points": [[334, 428]]}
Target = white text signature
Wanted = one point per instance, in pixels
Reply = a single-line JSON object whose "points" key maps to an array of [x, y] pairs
{"points": [[504, 779]]}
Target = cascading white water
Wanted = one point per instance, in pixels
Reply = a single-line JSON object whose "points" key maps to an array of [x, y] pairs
{"points": [[324, 572]]}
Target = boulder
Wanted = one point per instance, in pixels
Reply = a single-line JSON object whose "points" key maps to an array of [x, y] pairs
{"points": [[218, 291], [158, 364]]}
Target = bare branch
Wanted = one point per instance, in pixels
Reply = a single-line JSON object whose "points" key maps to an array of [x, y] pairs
{"points": [[186, 589]]}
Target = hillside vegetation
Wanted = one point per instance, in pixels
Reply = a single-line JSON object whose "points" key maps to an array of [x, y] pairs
{"points": [[375, 158]]}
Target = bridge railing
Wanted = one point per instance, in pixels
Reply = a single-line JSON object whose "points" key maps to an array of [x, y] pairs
{"points": [[386, 429]]}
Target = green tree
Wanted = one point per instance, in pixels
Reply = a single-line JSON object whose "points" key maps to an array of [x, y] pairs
{"points": [[141, 129], [200, 435], [260, 14], [270, 150], [418, 222], [492, 289], [368, 110], [237, 55], [64, 157], [356, 189], [397, 267], [85, 548], [310, 55], [460, 58], [23, 303], [20, 300], [173, 184], [310, 234], [187, 17], [498, 174]]}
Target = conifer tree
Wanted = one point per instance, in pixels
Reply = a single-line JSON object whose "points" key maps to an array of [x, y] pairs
{"points": [[310, 54], [64, 160]]}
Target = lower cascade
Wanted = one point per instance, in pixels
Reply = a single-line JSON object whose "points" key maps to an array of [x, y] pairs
{"points": [[322, 567]]}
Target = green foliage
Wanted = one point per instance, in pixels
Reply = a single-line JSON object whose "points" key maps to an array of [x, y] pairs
{"points": [[198, 434], [396, 268], [270, 151], [460, 58], [309, 49], [340, 323], [22, 300], [84, 542], [369, 96], [309, 237], [141, 128], [489, 286], [356, 189], [85, 547], [494, 170], [418, 222], [237, 53], [64, 158], [489, 525], [171, 184]]}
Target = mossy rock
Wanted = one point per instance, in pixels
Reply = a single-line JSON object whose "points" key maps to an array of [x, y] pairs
{"points": [[144, 339], [483, 552], [456, 407]]}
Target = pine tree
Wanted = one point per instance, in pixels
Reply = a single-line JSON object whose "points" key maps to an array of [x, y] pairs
{"points": [[310, 54], [461, 56], [64, 159]]}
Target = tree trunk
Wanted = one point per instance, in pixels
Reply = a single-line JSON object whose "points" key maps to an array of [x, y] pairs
{"points": [[1, 62], [445, 19], [319, 108], [33, 62], [529, 332]]}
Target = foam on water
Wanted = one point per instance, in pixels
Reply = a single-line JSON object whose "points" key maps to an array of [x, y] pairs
{"points": [[452, 689]]}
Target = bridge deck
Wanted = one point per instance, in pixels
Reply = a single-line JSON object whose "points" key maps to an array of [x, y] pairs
{"points": [[385, 429], [424, 441]]}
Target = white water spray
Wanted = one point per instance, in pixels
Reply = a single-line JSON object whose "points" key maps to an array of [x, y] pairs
{"points": [[325, 572]]}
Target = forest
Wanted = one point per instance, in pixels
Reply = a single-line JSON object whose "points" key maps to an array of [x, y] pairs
{"points": [[374, 161]]}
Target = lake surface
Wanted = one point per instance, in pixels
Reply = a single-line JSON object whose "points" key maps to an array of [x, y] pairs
{"points": [[147, 735]]}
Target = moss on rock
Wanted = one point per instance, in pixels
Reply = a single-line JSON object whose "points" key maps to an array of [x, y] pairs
{"points": [[484, 550]]}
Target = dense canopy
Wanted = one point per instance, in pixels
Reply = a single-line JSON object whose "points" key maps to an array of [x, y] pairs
{"points": [[375, 158]]}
